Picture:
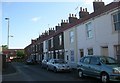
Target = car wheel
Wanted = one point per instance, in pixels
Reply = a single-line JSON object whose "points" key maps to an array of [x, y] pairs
{"points": [[55, 69], [104, 78], [80, 73], [47, 68]]}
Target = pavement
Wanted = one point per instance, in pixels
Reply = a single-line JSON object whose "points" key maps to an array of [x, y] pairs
{"points": [[9, 69]]}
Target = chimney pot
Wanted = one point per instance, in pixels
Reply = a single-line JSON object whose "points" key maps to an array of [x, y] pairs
{"points": [[72, 15], [69, 15], [80, 8], [62, 21], [85, 9], [67, 21], [75, 15]]}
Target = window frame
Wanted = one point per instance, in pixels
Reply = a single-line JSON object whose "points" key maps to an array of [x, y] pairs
{"points": [[90, 51], [89, 30], [71, 34], [51, 42], [60, 39], [46, 44], [117, 21]]}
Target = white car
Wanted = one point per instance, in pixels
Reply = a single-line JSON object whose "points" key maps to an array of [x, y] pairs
{"points": [[58, 65]]}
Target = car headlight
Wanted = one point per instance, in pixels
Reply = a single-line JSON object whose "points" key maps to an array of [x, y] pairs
{"points": [[116, 71]]}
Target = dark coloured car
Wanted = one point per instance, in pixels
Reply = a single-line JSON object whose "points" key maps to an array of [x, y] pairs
{"points": [[30, 62], [102, 67], [58, 65]]}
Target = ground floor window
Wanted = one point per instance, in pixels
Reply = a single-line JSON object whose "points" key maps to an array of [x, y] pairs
{"points": [[90, 51], [72, 55]]}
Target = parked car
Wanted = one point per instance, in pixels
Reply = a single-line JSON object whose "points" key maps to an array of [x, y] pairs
{"points": [[44, 63], [8, 60], [103, 67], [58, 65], [30, 62]]}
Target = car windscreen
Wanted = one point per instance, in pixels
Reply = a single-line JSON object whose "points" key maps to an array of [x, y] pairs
{"points": [[108, 60], [60, 61]]}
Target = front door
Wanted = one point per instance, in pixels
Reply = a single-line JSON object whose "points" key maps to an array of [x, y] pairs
{"points": [[81, 53], [104, 51]]}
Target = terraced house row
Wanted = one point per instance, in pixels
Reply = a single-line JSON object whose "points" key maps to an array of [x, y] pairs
{"points": [[95, 33]]}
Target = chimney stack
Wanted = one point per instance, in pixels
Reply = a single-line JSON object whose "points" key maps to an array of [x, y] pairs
{"points": [[33, 41], [64, 23], [46, 33], [97, 4], [83, 12], [72, 18], [57, 27], [39, 37], [51, 31]]}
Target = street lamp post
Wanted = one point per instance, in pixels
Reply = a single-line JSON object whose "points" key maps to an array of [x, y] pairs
{"points": [[8, 33]]}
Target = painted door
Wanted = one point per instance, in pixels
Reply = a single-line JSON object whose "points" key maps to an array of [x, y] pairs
{"points": [[104, 51]]}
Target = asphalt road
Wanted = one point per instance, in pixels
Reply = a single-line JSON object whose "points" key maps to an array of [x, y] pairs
{"points": [[36, 73]]}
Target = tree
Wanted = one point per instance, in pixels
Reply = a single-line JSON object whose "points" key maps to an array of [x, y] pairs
{"points": [[20, 54], [4, 47]]}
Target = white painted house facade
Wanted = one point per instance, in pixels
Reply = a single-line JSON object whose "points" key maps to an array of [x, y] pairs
{"points": [[98, 35], [70, 39]]}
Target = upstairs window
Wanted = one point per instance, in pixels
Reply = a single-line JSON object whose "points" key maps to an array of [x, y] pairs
{"points": [[39, 46], [116, 21], [89, 30], [51, 42], [60, 39], [71, 36], [46, 44], [36, 48], [33, 48]]}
